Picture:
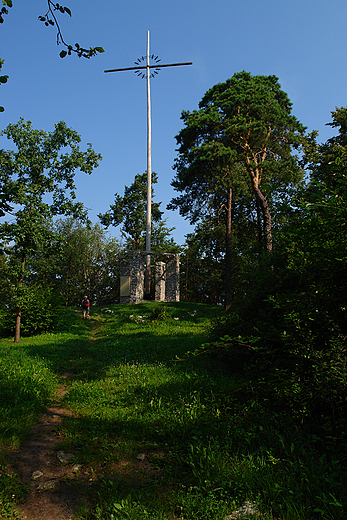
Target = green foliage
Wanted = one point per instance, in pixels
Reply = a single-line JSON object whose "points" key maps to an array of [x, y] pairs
{"points": [[130, 210], [124, 508], [40, 308], [203, 262], [11, 491], [38, 168], [212, 439], [160, 314], [235, 163], [4, 78], [241, 137], [298, 305], [27, 385], [37, 181], [82, 259], [4, 10], [288, 332], [161, 238]]}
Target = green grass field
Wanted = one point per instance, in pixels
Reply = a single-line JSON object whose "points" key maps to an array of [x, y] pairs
{"points": [[209, 443]]}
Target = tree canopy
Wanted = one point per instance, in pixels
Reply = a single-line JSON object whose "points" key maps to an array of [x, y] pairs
{"points": [[242, 126], [37, 184]]}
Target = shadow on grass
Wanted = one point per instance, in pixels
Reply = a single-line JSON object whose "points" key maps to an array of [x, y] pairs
{"points": [[192, 417], [27, 386], [29, 371], [19, 410], [90, 359], [175, 411]]}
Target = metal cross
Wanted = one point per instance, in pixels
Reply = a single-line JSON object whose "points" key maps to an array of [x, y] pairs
{"points": [[148, 75]]}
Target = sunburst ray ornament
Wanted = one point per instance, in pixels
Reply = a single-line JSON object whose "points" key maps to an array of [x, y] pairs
{"points": [[155, 71]]}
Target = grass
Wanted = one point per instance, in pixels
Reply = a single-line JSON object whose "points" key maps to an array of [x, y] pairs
{"points": [[206, 440]]}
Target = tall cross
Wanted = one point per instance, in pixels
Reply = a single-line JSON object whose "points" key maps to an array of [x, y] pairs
{"points": [[149, 73]]}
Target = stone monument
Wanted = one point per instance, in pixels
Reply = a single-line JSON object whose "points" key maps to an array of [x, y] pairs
{"points": [[132, 277]]}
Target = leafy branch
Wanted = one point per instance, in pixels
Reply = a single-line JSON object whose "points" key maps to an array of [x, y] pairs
{"points": [[3, 79], [4, 10], [50, 19]]}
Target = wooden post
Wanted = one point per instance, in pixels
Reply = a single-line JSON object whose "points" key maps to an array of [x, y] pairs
{"points": [[149, 178]]}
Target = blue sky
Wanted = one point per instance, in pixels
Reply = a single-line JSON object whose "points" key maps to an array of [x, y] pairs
{"points": [[302, 42]]}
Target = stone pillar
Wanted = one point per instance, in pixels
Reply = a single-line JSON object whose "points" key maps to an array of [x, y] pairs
{"points": [[172, 285], [160, 282], [132, 278]]}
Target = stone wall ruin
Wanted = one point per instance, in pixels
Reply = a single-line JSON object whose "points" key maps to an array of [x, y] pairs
{"points": [[132, 277]]}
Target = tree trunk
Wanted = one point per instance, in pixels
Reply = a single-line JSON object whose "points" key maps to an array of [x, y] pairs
{"points": [[19, 307], [17, 331], [259, 224], [68, 273], [187, 274], [255, 175], [264, 206], [228, 251]]}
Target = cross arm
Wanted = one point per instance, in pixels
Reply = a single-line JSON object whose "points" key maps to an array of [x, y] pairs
{"points": [[157, 66]]}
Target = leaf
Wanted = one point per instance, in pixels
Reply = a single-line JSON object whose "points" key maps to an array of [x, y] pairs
{"points": [[62, 54], [99, 49], [2, 109], [67, 10], [3, 79], [7, 2]]}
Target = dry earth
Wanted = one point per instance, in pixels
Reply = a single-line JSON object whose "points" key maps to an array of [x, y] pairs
{"points": [[58, 487]]}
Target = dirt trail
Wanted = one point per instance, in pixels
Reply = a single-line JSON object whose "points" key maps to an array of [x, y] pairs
{"points": [[56, 485]]}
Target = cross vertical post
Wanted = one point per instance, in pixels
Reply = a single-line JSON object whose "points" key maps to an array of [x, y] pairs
{"points": [[156, 66], [149, 179]]}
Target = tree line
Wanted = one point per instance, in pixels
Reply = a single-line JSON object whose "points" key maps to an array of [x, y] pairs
{"points": [[50, 253], [246, 172]]}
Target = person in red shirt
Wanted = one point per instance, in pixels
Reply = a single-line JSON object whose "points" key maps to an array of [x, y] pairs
{"points": [[85, 307]]}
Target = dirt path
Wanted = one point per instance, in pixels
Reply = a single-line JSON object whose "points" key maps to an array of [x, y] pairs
{"points": [[56, 484]]}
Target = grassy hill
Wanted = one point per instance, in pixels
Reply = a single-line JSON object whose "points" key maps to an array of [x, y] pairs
{"points": [[157, 433]]}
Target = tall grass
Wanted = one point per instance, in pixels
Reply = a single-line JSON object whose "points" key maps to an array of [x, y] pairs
{"points": [[163, 435]]}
